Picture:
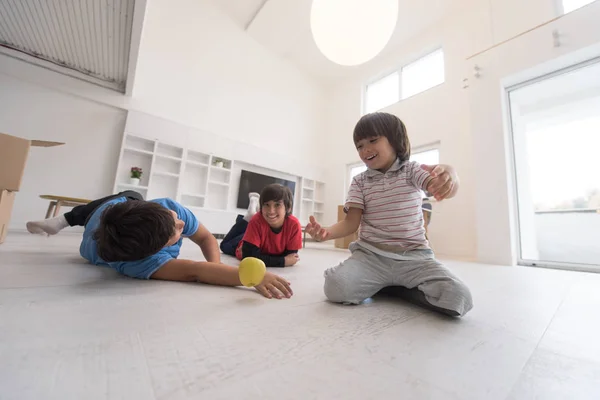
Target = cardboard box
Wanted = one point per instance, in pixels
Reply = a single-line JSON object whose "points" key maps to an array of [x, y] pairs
{"points": [[7, 199], [343, 243], [13, 158]]}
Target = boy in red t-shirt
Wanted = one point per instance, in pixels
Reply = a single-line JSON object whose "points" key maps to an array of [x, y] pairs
{"points": [[273, 235]]}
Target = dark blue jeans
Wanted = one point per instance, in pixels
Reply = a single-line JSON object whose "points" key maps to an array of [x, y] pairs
{"points": [[233, 238], [80, 215]]}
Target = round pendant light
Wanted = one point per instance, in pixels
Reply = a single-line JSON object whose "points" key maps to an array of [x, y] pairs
{"points": [[352, 32]]}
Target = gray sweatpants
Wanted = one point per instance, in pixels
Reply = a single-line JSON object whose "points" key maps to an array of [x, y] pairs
{"points": [[418, 277]]}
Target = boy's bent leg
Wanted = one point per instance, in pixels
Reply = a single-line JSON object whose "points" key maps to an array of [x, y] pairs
{"points": [[230, 246], [234, 236], [239, 228], [79, 215], [415, 296], [357, 278], [430, 284]]}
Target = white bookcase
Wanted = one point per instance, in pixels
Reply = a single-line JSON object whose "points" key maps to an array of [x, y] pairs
{"points": [[187, 175], [312, 198], [196, 179]]}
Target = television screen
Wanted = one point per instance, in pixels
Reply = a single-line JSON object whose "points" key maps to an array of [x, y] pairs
{"points": [[253, 182]]}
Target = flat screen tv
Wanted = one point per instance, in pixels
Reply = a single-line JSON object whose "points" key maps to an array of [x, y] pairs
{"points": [[253, 182]]}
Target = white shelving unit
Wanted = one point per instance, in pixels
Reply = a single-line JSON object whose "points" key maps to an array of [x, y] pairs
{"points": [[312, 198], [198, 180], [186, 175]]}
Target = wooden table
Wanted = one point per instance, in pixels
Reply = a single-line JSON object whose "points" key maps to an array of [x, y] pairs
{"points": [[56, 202]]}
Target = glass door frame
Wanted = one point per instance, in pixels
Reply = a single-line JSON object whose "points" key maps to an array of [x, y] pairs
{"points": [[512, 164]]}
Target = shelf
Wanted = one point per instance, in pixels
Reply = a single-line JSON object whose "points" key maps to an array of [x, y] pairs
{"points": [[139, 151], [218, 183], [196, 163], [220, 168], [130, 186], [168, 157], [308, 188], [169, 174], [211, 209], [197, 157], [319, 202], [194, 195], [168, 150], [305, 199], [139, 143]]}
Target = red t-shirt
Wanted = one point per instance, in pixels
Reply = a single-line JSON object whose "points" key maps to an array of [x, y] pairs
{"points": [[259, 233]]}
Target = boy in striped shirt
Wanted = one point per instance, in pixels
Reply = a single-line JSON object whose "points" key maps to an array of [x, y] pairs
{"points": [[392, 254]]}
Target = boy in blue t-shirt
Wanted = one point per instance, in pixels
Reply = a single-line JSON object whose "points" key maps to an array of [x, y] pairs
{"points": [[142, 239]]}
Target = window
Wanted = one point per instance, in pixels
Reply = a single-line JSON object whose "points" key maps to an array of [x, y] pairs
{"points": [[383, 93], [357, 170], [423, 74], [572, 5], [412, 79], [353, 170], [555, 124], [428, 157]]}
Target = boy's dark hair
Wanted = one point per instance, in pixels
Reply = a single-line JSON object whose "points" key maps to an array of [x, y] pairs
{"points": [[384, 124], [133, 230], [277, 192]]}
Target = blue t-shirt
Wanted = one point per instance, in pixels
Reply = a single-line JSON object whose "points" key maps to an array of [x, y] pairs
{"points": [[144, 268]]}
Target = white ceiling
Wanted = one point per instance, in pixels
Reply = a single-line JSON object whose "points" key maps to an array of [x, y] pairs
{"points": [[283, 26], [88, 37]]}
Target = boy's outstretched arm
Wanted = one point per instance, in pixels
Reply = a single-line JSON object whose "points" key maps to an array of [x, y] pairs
{"points": [[208, 244], [346, 227], [221, 275]]}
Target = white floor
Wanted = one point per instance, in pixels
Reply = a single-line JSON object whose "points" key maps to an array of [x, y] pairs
{"points": [[69, 330]]}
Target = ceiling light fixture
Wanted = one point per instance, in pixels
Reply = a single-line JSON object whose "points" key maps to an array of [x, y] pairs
{"points": [[352, 32]]}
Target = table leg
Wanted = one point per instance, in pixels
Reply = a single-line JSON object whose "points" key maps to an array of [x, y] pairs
{"points": [[50, 207], [57, 208]]}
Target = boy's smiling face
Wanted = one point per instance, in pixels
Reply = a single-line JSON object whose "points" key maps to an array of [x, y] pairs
{"points": [[376, 152], [274, 213]]}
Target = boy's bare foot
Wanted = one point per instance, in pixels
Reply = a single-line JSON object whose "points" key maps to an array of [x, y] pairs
{"points": [[49, 226]]}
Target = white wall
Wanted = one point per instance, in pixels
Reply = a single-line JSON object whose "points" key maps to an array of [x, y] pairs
{"points": [[197, 68], [83, 167], [443, 114]]}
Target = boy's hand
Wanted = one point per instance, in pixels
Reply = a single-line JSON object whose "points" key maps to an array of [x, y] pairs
{"points": [[274, 286], [291, 259], [316, 231], [444, 182]]}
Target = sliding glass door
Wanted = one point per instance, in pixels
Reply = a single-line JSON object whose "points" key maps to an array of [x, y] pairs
{"points": [[555, 123]]}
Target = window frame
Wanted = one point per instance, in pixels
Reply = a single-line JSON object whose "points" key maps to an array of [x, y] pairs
{"points": [[398, 69], [560, 5], [427, 147]]}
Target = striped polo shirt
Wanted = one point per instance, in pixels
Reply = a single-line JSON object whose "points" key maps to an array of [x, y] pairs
{"points": [[392, 218]]}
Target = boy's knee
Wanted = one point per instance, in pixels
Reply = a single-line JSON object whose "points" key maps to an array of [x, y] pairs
{"points": [[451, 295], [463, 297], [466, 293], [336, 289]]}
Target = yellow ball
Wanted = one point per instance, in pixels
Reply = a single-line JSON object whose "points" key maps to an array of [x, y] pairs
{"points": [[252, 271]]}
